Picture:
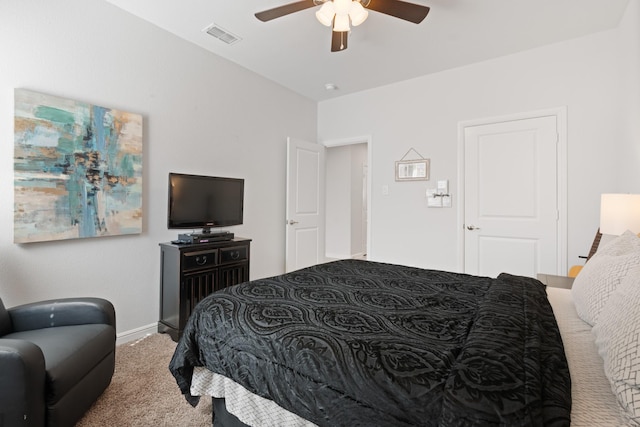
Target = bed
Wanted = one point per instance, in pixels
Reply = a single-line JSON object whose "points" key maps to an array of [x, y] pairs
{"points": [[362, 343]]}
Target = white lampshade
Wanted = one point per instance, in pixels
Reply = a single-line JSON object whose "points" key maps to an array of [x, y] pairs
{"points": [[358, 13], [341, 23], [342, 7], [619, 213], [326, 13]]}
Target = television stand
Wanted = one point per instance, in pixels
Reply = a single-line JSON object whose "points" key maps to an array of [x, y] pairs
{"points": [[188, 273]]}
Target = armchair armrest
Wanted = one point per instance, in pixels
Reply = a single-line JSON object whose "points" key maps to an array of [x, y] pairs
{"points": [[22, 383], [62, 312]]}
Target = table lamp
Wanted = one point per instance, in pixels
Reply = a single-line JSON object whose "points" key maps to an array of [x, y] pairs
{"points": [[619, 213]]}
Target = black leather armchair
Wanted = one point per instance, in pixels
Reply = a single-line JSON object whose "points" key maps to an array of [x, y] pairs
{"points": [[56, 359]]}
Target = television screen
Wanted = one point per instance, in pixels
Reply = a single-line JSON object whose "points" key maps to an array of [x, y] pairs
{"points": [[197, 201]]}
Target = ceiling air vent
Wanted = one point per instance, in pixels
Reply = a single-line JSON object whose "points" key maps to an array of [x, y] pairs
{"points": [[221, 34]]}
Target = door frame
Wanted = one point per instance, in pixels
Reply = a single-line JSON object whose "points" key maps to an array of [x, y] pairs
{"points": [[365, 139], [561, 169]]}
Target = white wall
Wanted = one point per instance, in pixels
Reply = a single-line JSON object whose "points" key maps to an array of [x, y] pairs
{"points": [[629, 179], [338, 202], [344, 201], [202, 114], [358, 223], [583, 74]]}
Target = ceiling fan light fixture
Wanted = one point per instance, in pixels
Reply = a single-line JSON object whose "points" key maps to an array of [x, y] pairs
{"points": [[341, 23], [326, 13], [357, 13], [342, 13]]}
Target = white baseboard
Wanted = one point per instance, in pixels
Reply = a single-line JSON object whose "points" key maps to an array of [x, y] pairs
{"points": [[137, 333], [334, 256]]}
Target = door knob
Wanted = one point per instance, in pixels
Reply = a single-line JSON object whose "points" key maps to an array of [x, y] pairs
{"points": [[472, 227], [292, 222]]}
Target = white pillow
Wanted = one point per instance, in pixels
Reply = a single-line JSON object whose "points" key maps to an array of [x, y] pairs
{"points": [[625, 243], [602, 274], [618, 340]]}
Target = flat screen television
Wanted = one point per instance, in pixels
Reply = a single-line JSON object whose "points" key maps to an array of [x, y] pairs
{"points": [[197, 201]]}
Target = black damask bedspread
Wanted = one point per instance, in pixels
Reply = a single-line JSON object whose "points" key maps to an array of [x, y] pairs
{"points": [[358, 343]]}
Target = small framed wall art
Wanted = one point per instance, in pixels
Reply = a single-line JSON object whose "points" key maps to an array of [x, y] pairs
{"points": [[412, 170]]}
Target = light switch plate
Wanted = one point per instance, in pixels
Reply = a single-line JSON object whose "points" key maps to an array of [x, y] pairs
{"points": [[443, 186]]}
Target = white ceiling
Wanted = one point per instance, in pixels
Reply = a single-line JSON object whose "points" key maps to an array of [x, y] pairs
{"points": [[294, 50]]}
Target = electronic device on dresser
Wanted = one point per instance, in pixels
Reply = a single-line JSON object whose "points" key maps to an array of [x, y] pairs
{"points": [[199, 201], [204, 237]]}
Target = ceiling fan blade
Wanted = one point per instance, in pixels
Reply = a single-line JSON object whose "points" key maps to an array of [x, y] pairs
{"points": [[339, 40], [408, 11], [277, 12]]}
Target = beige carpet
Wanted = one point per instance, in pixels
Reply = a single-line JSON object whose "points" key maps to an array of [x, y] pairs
{"points": [[143, 392]]}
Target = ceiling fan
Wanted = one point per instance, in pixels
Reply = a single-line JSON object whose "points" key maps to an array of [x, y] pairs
{"points": [[339, 13]]}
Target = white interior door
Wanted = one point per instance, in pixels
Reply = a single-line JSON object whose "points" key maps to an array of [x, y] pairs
{"points": [[511, 210], [305, 204]]}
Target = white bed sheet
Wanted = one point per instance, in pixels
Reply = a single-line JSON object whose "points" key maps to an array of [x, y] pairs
{"points": [[249, 408], [593, 402]]}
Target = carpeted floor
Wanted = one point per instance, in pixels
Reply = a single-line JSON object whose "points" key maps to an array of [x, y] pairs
{"points": [[143, 392]]}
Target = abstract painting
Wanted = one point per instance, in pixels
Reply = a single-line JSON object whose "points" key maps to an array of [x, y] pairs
{"points": [[77, 169]]}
